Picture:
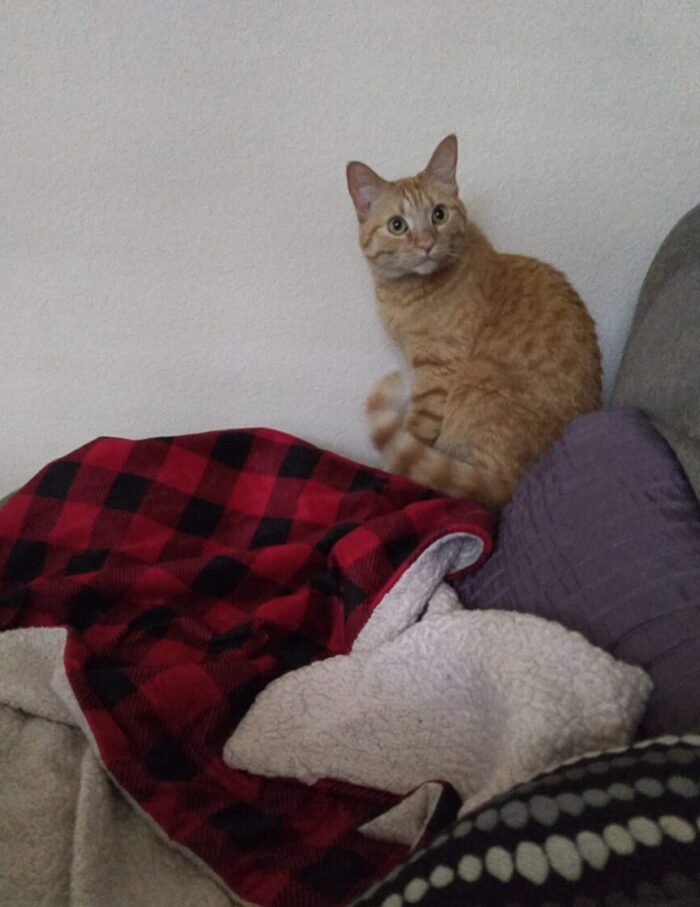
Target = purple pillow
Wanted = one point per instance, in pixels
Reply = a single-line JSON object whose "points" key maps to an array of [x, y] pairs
{"points": [[603, 535]]}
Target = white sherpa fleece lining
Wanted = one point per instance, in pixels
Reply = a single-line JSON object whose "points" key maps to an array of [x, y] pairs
{"points": [[430, 692]]}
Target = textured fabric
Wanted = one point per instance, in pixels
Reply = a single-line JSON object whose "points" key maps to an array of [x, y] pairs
{"points": [[603, 536], [67, 835], [190, 572], [478, 699], [660, 369], [617, 828]]}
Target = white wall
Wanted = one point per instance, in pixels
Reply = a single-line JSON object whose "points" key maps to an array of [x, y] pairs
{"points": [[177, 249]]}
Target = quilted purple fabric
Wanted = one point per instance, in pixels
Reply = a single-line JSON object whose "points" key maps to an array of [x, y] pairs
{"points": [[603, 535]]}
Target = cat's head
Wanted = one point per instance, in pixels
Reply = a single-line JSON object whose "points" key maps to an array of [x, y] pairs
{"points": [[413, 226]]}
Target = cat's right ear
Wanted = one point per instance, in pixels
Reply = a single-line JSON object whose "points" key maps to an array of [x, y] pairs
{"points": [[365, 187]]}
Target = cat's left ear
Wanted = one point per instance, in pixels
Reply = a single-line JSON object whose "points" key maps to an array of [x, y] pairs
{"points": [[442, 167]]}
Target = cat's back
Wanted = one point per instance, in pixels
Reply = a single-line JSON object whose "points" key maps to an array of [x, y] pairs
{"points": [[533, 297], [522, 278], [542, 327]]}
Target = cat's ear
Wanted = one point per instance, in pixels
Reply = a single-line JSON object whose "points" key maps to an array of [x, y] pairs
{"points": [[442, 166], [365, 187]]}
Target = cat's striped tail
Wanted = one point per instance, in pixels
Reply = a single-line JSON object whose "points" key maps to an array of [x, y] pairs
{"points": [[406, 455]]}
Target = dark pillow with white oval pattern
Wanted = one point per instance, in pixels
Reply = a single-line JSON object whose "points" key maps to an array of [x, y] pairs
{"points": [[611, 830]]}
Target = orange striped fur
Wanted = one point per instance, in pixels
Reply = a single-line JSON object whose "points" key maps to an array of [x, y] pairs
{"points": [[502, 351]]}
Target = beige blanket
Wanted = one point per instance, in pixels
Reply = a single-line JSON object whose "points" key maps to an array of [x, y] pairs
{"points": [[67, 834]]}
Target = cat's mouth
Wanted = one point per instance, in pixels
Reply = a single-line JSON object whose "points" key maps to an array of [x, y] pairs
{"points": [[427, 266]]}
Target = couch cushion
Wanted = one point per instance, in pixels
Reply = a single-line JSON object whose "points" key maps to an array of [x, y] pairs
{"points": [[660, 370]]}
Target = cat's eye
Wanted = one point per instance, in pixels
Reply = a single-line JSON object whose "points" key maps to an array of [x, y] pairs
{"points": [[397, 225], [439, 214]]}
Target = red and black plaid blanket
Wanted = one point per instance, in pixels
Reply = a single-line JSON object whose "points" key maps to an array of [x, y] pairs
{"points": [[190, 572]]}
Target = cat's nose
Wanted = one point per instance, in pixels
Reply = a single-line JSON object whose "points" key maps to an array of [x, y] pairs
{"points": [[426, 244]]}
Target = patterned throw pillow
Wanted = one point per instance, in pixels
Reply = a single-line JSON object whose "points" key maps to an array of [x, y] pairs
{"points": [[615, 829]]}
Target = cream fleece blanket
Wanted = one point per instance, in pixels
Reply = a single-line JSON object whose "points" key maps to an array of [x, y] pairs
{"points": [[67, 835], [480, 700]]}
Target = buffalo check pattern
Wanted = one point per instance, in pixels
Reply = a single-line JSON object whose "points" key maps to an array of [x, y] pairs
{"points": [[191, 572]]}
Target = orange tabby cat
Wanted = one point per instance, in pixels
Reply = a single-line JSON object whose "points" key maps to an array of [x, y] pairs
{"points": [[503, 351]]}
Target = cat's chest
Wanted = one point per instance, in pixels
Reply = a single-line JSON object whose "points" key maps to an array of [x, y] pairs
{"points": [[412, 327]]}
